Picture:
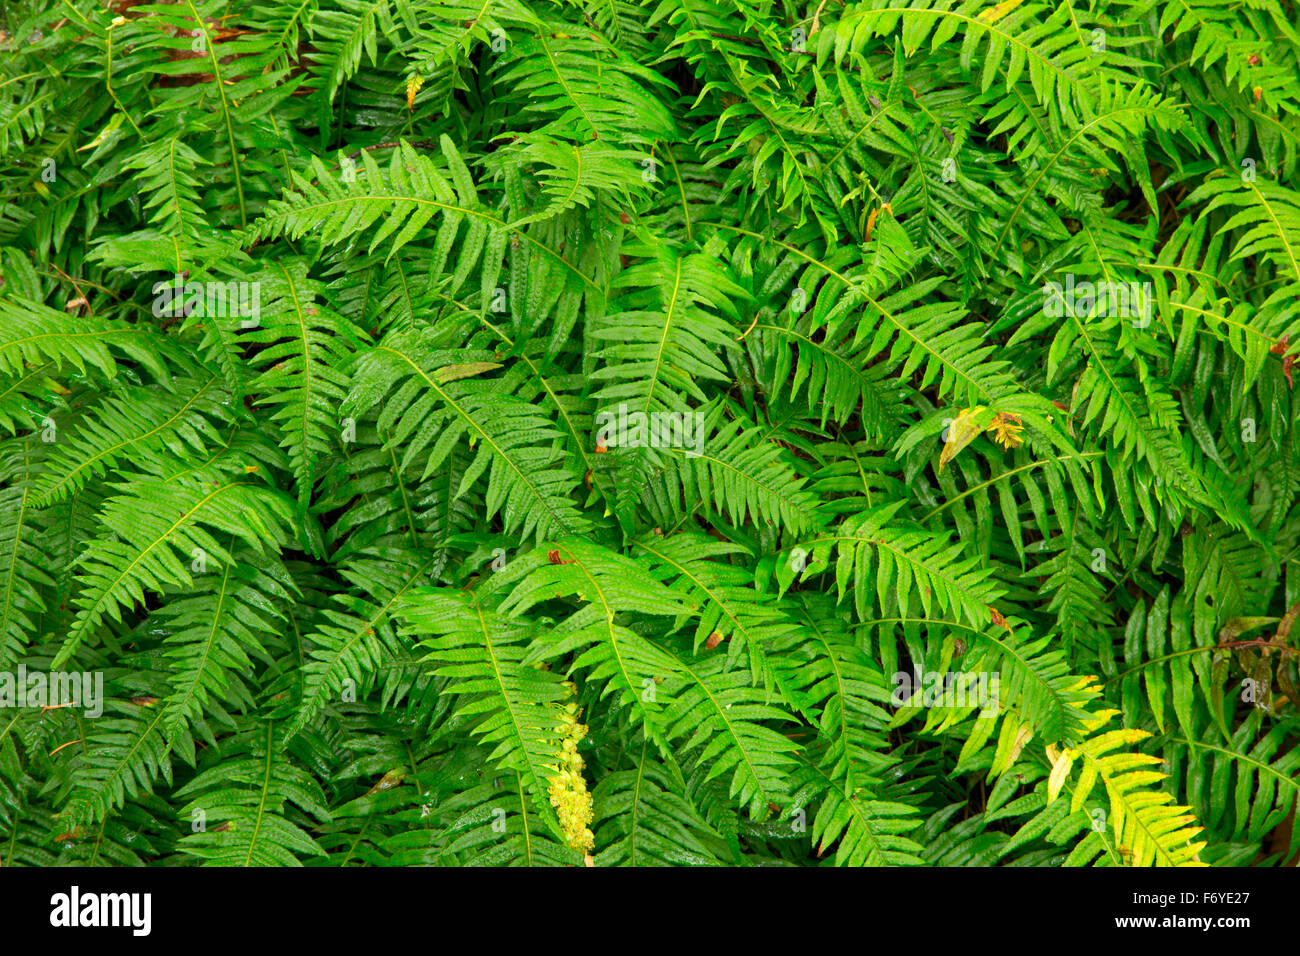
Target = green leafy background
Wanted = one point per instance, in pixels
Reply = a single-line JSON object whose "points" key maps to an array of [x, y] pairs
{"points": [[345, 569]]}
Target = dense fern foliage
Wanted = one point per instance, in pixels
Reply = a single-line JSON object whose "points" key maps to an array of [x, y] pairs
{"points": [[855, 432]]}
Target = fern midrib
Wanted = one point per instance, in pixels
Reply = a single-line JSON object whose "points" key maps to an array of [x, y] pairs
{"points": [[721, 603], [841, 693], [7, 605], [521, 740], [304, 465], [266, 790], [859, 813], [578, 444], [1048, 692], [181, 705], [401, 487], [975, 489], [779, 494], [1112, 784], [84, 618], [35, 372], [1284, 240], [310, 706], [856, 540], [540, 498], [669, 311], [220, 82], [53, 493], [821, 347], [634, 829], [974, 387], [1032, 185], [324, 204], [564, 84], [1259, 765], [1144, 430], [121, 766], [721, 713], [609, 627]]}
